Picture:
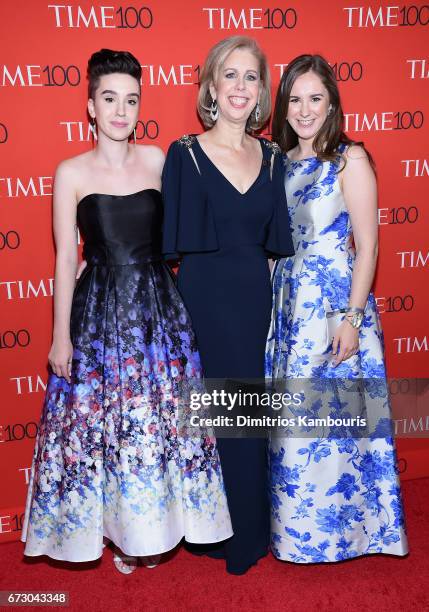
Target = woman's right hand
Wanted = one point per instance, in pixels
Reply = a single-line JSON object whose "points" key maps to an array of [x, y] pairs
{"points": [[60, 358]]}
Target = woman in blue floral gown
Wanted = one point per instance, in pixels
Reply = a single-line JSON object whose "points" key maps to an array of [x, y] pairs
{"points": [[334, 496], [111, 459]]}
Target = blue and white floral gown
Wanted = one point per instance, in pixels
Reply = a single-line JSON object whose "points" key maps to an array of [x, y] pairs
{"points": [[333, 498]]}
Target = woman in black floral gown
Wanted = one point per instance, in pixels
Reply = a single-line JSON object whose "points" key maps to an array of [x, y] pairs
{"points": [[110, 459]]}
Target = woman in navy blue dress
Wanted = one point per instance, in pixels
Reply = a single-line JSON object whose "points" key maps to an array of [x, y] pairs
{"points": [[225, 214]]}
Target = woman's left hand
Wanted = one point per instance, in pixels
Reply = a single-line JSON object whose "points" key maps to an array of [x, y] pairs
{"points": [[80, 269], [345, 343]]}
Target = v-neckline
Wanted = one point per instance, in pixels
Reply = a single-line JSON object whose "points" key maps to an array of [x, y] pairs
{"points": [[227, 180]]}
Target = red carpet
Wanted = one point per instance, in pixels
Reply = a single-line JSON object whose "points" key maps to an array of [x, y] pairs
{"points": [[185, 582]]}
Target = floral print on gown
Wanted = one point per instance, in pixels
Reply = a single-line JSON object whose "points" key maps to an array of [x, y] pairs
{"points": [[333, 498], [110, 459]]}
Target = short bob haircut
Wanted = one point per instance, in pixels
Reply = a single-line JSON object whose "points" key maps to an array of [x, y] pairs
{"points": [[107, 61], [213, 64]]}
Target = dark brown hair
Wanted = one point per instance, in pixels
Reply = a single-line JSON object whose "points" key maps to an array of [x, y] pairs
{"points": [[107, 61], [331, 134]]}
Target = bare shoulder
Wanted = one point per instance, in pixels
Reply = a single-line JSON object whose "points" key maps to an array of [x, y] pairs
{"points": [[356, 151], [358, 171], [151, 155], [73, 166], [70, 174], [358, 165]]}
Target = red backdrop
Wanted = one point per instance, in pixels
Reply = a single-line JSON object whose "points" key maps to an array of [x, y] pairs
{"points": [[379, 54]]}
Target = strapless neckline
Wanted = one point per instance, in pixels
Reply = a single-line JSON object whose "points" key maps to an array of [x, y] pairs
{"points": [[121, 229], [113, 195]]}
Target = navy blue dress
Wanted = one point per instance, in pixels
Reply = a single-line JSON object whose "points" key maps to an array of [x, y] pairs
{"points": [[224, 239]]}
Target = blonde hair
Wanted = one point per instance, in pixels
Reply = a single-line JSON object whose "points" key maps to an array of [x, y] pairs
{"points": [[214, 62]]}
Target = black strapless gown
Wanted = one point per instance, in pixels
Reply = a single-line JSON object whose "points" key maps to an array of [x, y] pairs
{"points": [[109, 460]]}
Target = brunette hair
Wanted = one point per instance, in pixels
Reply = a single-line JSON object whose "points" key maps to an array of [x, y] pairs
{"points": [[107, 61], [331, 134], [213, 64]]}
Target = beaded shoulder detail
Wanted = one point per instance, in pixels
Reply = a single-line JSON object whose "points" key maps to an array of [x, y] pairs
{"points": [[187, 140], [275, 149]]}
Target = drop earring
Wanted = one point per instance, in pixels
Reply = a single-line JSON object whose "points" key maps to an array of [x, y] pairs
{"points": [[93, 128], [329, 109], [214, 112], [135, 136], [257, 112]]}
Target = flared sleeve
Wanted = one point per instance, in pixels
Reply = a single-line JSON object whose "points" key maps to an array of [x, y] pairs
{"points": [[188, 225], [278, 242]]}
